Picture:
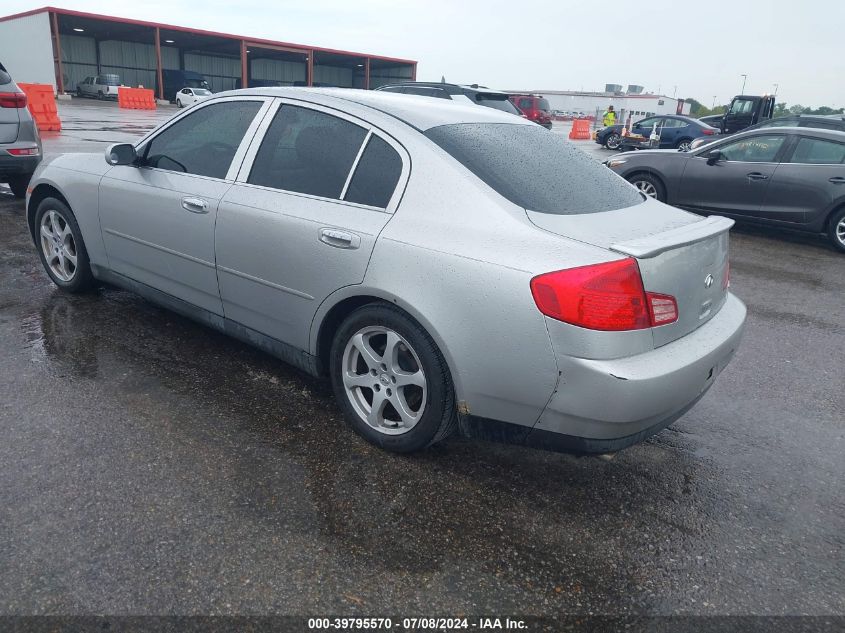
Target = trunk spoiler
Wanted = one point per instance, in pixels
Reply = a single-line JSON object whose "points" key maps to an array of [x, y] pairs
{"points": [[674, 238]]}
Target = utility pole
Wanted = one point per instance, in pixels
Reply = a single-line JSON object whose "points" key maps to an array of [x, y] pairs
{"points": [[744, 77], [714, 101], [674, 91], [776, 89]]}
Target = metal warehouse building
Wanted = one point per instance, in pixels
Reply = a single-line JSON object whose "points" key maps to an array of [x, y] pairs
{"points": [[62, 47]]}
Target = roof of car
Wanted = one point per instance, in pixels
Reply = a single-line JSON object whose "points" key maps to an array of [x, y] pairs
{"points": [[834, 135], [455, 88], [422, 113]]}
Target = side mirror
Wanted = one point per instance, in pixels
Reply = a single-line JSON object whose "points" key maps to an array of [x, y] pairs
{"points": [[121, 154], [714, 157]]}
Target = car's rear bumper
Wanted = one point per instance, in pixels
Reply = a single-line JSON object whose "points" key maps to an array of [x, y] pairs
{"points": [[16, 165], [605, 405]]}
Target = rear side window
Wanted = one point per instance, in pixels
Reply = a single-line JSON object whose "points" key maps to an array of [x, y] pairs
{"points": [[307, 151], [5, 78], [498, 102], [425, 91], [525, 104], [543, 104], [815, 151], [534, 169], [203, 142], [376, 175]]}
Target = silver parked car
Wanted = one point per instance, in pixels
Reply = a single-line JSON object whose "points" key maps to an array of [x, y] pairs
{"points": [[20, 144], [446, 265]]}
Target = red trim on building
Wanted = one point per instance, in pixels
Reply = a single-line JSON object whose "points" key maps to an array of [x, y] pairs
{"points": [[184, 29]]}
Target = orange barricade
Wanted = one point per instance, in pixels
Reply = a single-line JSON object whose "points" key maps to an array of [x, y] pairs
{"points": [[42, 105], [136, 98], [580, 130]]}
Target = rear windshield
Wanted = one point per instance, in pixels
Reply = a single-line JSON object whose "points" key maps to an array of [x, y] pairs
{"points": [[534, 168], [109, 80], [499, 102]]}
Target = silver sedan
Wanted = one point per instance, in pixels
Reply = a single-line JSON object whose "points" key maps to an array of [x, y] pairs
{"points": [[448, 267]]}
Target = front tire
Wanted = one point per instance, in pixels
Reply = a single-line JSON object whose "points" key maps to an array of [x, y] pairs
{"points": [[18, 185], [684, 145], [391, 380], [61, 248], [836, 230], [613, 141], [649, 185], [178, 103]]}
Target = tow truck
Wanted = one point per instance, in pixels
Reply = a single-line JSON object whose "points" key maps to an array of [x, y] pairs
{"points": [[744, 111]]}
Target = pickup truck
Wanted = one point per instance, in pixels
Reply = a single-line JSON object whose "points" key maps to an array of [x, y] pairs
{"points": [[99, 87], [744, 111]]}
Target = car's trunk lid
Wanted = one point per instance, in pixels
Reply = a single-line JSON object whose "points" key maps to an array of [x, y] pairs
{"points": [[678, 253]]}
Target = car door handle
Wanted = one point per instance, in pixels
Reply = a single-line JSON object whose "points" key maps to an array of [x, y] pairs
{"points": [[756, 175], [339, 239], [194, 205], [837, 180]]}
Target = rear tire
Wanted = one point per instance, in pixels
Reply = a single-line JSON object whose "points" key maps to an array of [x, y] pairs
{"points": [[18, 185], [100, 95], [649, 185], [684, 144], [836, 230], [59, 240], [379, 355]]}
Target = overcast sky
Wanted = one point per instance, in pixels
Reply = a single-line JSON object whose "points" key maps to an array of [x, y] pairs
{"points": [[700, 48]]}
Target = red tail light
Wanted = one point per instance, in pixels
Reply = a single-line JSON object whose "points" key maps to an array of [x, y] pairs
{"points": [[607, 296], [23, 151], [12, 100], [707, 132]]}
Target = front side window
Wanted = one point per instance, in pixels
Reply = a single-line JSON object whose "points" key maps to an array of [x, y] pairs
{"points": [[815, 151], [534, 169], [742, 106], [376, 175], [648, 123], [780, 122], [204, 142], [756, 149], [307, 151]]}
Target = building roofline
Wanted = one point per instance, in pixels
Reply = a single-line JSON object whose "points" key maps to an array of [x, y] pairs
{"points": [[185, 29]]}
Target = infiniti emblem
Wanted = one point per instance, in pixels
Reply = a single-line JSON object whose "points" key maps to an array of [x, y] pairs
{"points": [[708, 281]]}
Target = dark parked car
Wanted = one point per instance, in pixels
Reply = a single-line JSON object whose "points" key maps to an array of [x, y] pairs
{"points": [[820, 121], [789, 177], [675, 131], [479, 95], [20, 145]]}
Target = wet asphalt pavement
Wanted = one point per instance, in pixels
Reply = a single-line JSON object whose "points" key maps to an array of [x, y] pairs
{"points": [[152, 466]]}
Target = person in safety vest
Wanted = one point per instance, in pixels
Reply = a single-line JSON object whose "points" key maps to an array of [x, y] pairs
{"points": [[609, 117]]}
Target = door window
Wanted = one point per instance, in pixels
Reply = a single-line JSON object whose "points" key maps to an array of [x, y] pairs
{"points": [[307, 151], [426, 92], [375, 175], [525, 104], [757, 149], [742, 106], [674, 123], [203, 142], [815, 151]]}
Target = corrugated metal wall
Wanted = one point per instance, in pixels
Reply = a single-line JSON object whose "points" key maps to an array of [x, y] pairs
{"points": [[285, 73], [221, 72], [333, 75], [382, 76], [170, 58], [26, 49], [135, 63], [79, 59]]}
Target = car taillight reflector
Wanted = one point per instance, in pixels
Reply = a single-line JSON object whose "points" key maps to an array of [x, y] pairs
{"points": [[23, 151], [608, 296], [12, 100], [726, 277], [707, 132], [662, 309]]}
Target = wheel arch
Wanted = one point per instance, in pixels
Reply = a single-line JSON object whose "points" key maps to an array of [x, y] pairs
{"points": [[42, 191], [835, 208], [343, 302]]}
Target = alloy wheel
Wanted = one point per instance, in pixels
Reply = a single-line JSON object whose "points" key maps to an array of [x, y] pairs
{"points": [[840, 231], [613, 141], [58, 245], [685, 146], [384, 380], [646, 187]]}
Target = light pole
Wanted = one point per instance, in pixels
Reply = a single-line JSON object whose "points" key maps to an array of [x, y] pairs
{"points": [[776, 89], [714, 101], [744, 77]]}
